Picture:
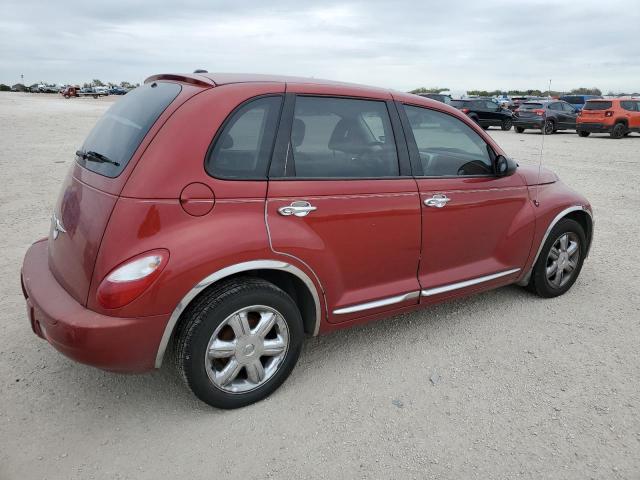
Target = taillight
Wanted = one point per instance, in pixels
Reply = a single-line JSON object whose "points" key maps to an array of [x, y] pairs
{"points": [[608, 113], [465, 110], [128, 280], [540, 113]]}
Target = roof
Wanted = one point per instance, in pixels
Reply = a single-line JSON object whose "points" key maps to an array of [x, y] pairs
{"points": [[213, 79]]}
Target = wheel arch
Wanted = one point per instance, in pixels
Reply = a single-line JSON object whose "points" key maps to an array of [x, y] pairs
{"points": [[623, 121], [580, 214], [284, 275]]}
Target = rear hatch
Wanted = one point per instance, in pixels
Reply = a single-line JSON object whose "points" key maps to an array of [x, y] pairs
{"points": [[94, 182], [529, 109], [595, 111]]}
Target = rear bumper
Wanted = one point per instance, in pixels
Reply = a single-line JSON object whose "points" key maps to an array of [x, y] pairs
{"points": [[593, 127], [527, 122], [110, 343]]}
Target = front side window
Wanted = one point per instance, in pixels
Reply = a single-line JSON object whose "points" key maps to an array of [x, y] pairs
{"points": [[447, 146], [243, 148], [342, 138]]}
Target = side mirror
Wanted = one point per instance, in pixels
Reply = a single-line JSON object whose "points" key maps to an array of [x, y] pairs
{"points": [[505, 166]]}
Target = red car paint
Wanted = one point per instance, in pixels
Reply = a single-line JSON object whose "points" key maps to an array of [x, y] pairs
{"points": [[369, 239]]}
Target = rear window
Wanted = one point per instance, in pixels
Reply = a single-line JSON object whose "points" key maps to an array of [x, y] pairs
{"points": [[121, 129], [458, 103], [530, 106], [597, 105]]}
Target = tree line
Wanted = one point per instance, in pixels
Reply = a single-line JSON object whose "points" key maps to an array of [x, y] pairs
{"points": [[532, 92]]}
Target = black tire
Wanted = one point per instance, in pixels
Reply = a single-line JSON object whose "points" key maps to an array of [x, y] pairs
{"points": [[205, 314], [618, 131], [549, 127], [539, 283], [582, 133], [507, 123], [519, 130]]}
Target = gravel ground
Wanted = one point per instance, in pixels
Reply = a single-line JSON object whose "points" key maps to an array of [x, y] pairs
{"points": [[501, 385]]}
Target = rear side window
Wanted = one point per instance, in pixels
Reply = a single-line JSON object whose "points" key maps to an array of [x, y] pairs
{"points": [[342, 138], [629, 105], [447, 146], [243, 147], [597, 105], [556, 106], [119, 132]]}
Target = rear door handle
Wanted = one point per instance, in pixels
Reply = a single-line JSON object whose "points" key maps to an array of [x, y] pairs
{"points": [[298, 208], [437, 201]]}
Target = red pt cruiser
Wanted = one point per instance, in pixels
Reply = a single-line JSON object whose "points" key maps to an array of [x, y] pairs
{"points": [[218, 219]]}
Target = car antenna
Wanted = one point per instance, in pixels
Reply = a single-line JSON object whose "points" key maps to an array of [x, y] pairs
{"points": [[544, 133]]}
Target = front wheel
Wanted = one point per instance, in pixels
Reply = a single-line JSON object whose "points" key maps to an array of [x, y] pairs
{"points": [[506, 124], [560, 260], [239, 343], [582, 133], [549, 127]]}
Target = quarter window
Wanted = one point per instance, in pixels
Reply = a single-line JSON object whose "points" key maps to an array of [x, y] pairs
{"points": [[447, 146], [243, 148], [342, 138]]}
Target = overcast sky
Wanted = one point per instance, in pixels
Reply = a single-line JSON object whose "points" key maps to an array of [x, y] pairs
{"points": [[457, 44]]}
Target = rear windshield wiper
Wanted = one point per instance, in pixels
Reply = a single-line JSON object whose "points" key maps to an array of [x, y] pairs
{"points": [[96, 157]]}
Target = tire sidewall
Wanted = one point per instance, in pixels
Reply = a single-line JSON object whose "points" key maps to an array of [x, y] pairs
{"points": [[542, 285], [194, 365]]}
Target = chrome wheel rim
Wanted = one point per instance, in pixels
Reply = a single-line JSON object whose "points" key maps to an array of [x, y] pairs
{"points": [[247, 349], [563, 259]]}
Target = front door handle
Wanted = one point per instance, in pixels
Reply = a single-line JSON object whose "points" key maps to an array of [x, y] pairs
{"points": [[297, 208], [438, 201]]}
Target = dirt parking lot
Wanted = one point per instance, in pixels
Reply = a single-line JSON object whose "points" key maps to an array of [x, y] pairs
{"points": [[501, 385]]}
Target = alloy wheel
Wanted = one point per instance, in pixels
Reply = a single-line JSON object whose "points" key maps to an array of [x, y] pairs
{"points": [[548, 127], [246, 349], [563, 259]]}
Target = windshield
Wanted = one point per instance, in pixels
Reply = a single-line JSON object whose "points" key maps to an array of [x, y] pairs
{"points": [[121, 129], [597, 105]]}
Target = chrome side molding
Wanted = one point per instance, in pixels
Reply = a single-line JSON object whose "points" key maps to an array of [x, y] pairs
{"points": [[467, 283], [225, 272], [377, 303]]}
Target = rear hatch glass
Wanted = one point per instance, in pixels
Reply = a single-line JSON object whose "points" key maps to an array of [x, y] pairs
{"points": [[458, 103], [117, 135], [591, 105], [526, 109]]}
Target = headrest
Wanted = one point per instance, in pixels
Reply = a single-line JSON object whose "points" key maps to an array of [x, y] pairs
{"points": [[298, 129]]}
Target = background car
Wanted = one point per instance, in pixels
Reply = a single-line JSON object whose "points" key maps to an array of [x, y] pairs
{"points": [[440, 97], [485, 112], [117, 91], [578, 101], [546, 115], [616, 116]]}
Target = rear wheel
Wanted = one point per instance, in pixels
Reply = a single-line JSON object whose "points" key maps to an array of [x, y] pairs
{"points": [[239, 343], [519, 129], [506, 124], [618, 130], [549, 127], [560, 260], [582, 133]]}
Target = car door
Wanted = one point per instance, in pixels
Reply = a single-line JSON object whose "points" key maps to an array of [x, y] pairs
{"points": [[477, 227], [631, 109], [342, 200], [571, 115]]}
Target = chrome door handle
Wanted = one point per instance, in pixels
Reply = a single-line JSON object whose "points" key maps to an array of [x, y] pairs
{"points": [[297, 208], [438, 201]]}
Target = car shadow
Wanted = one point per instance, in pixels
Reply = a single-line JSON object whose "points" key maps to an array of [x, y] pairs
{"points": [[163, 390]]}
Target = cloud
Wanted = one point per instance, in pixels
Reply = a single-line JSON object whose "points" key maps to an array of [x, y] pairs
{"points": [[456, 44]]}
